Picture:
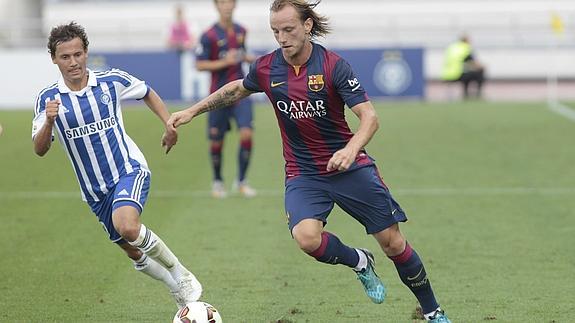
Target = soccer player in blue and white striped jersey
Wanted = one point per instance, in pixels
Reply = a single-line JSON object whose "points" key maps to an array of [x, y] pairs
{"points": [[83, 110]]}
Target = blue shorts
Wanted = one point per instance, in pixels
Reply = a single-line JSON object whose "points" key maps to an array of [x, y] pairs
{"points": [[359, 192], [132, 190], [241, 112]]}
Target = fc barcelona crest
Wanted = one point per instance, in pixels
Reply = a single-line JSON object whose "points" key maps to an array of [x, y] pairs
{"points": [[315, 82]]}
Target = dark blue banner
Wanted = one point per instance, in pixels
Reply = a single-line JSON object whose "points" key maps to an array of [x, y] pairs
{"points": [[383, 72], [160, 70], [388, 72]]}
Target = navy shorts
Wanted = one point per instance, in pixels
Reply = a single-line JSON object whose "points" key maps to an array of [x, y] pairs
{"points": [[359, 192], [241, 112], [132, 190]]}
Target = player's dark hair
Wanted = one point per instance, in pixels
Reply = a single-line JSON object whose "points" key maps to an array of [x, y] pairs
{"points": [[64, 33], [305, 10]]}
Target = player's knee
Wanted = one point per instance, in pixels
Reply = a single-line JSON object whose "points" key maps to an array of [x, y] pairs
{"points": [[245, 134], [391, 241], [128, 231], [215, 135], [394, 245], [307, 242]]}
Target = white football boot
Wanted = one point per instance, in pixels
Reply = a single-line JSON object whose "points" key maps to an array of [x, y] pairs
{"points": [[218, 190], [190, 289], [244, 189]]}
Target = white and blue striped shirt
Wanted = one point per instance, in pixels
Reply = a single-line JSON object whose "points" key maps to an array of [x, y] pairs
{"points": [[91, 129]]}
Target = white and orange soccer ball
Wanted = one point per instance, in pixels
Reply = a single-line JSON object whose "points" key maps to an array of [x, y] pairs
{"points": [[198, 312]]}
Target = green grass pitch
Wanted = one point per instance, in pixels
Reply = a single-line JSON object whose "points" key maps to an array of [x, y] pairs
{"points": [[489, 189]]}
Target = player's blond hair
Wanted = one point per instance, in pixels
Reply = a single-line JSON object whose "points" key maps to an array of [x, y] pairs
{"points": [[305, 10]]}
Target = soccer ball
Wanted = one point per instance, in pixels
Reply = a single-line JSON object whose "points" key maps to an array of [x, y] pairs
{"points": [[198, 312]]}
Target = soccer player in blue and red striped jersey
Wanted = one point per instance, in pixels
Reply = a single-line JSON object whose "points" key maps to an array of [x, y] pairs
{"points": [[326, 163], [222, 51], [83, 110]]}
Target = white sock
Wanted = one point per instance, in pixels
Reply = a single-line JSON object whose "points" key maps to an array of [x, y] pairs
{"points": [[430, 316], [362, 264], [153, 269], [156, 249]]}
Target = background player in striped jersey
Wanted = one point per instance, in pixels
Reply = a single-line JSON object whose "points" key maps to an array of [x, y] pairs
{"points": [[83, 109], [222, 51], [326, 163]]}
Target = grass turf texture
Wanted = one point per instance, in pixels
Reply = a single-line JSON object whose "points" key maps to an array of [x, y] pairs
{"points": [[488, 187]]}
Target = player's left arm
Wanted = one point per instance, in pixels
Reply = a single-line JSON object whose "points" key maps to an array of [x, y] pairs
{"points": [[157, 105], [353, 94], [368, 125]]}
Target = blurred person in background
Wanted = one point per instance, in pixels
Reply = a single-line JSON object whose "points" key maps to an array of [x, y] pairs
{"points": [[180, 38], [222, 51], [83, 109], [325, 162], [461, 65]]}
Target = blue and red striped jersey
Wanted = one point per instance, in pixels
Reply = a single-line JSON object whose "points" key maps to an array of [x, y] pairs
{"points": [[215, 43], [309, 104]]}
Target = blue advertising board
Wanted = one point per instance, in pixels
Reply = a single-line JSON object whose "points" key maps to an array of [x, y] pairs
{"points": [[383, 72], [160, 70], [388, 72]]}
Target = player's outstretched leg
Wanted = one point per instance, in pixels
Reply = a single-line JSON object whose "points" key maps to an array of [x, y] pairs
{"points": [[189, 287], [332, 251]]}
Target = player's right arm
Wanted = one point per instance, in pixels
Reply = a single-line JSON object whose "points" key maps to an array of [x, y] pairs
{"points": [[43, 138], [223, 97]]}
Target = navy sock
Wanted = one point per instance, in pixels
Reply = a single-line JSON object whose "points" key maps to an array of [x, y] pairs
{"points": [[216, 157], [333, 251], [412, 274], [244, 154]]}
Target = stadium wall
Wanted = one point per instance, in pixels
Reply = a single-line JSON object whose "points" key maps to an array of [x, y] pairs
{"points": [[177, 80]]}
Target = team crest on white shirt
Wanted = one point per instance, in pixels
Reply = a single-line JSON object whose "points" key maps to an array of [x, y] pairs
{"points": [[105, 98]]}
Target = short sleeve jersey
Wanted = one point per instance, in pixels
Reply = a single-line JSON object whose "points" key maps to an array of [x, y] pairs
{"points": [[214, 45], [91, 130], [309, 105]]}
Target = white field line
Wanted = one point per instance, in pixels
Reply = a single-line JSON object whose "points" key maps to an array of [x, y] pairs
{"points": [[562, 110], [469, 191]]}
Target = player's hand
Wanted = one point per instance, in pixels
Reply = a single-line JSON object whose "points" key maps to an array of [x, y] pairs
{"points": [[52, 110], [170, 138], [179, 118], [232, 57], [341, 159]]}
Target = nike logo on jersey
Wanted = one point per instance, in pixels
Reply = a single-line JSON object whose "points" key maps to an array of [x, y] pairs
{"points": [[123, 192], [63, 108], [274, 84]]}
